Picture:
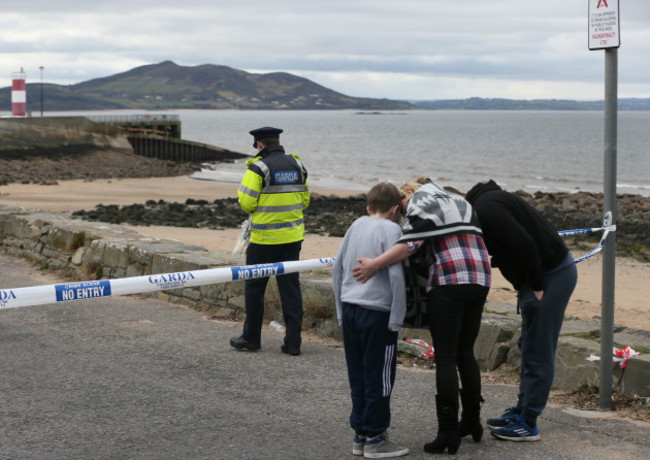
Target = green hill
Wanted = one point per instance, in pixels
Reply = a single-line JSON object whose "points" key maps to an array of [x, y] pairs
{"points": [[166, 86], [170, 86]]}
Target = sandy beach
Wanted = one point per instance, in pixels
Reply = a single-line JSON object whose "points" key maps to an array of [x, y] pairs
{"points": [[631, 295]]}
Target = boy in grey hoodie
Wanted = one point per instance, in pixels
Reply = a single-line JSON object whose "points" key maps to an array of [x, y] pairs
{"points": [[371, 315]]}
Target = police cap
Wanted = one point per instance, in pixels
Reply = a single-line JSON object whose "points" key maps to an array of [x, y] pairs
{"points": [[265, 133]]}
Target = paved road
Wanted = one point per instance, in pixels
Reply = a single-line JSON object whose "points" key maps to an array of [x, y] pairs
{"points": [[129, 378]]}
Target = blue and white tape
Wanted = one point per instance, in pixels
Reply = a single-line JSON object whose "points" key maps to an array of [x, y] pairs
{"points": [[606, 228], [53, 293]]}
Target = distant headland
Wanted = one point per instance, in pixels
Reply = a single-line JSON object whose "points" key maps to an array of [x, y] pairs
{"points": [[169, 86]]}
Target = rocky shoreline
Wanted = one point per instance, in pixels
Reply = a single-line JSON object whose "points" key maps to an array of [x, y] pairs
{"points": [[331, 216], [327, 215], [81, 164]]}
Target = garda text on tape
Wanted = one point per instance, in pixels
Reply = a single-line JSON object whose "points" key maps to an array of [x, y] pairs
{"points": [[53, 293]]}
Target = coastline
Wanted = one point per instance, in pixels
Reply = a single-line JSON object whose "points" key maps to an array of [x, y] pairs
{"points": [[632, 308]]}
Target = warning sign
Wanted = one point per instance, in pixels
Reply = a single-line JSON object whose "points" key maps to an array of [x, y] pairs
{"points": [[604, 27]]}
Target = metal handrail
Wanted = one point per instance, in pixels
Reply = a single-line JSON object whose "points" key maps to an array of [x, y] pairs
{"points": [[132, 118]]}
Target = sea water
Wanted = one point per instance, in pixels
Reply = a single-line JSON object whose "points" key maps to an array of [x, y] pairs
{"points": [[528, 150], [547, 151]]}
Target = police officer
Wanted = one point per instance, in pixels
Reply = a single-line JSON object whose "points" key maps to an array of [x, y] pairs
{"points": [[274, 190]]}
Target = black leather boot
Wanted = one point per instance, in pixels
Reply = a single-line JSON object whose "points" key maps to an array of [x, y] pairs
{"points": [[470, 418], [448, 437]]}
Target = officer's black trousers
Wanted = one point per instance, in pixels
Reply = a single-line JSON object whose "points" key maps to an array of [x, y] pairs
{"points": [[288, 285]]}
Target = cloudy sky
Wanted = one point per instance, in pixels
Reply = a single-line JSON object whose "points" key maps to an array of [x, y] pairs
{"points": [[396, 49]]}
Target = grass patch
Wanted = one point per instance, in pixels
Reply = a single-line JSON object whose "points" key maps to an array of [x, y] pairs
{"points": [[57, 242], [77, 241], [593, 335], [93, 271]]}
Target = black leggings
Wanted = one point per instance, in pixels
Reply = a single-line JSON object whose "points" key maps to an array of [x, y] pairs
{"points": [[454, 314]]}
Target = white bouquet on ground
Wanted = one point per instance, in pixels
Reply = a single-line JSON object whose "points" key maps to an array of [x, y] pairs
{"points": [[244, 236]]}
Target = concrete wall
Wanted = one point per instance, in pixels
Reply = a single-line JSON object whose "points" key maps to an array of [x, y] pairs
{"points": [[159, 138], [25, 136], [87, 250]]}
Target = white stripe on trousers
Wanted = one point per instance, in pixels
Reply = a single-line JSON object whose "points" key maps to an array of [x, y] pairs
{"points": [[389, 352]]}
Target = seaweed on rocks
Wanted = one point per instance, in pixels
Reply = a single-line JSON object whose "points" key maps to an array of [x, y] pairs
{"points": [[193, 213], [332, 215], [46, 169], [329, 216]]}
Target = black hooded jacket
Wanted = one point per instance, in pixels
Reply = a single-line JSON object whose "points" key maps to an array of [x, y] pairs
{"points": [[522, 243]]}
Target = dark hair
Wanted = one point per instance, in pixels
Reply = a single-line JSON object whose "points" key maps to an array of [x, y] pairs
{"points": [[451, 189], [270, 141], [382, 197]]}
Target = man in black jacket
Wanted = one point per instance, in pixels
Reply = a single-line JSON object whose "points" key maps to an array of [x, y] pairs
{"points": [[533, 258]]}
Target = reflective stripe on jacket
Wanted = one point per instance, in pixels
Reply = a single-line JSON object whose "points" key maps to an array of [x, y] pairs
{"points": [[274, 190]]}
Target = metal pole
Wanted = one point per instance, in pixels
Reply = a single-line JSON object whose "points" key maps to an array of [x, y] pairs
{"points": [[41, 67], [609, 250]]}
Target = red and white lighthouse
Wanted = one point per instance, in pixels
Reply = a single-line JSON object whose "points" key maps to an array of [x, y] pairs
{"points": [[18, 94]]}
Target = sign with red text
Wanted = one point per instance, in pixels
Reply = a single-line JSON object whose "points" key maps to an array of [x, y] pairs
{"points": [[604, 27]]}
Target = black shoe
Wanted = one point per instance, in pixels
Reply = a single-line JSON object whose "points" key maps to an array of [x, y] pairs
{"points": [[293, 351], [242, 344]]}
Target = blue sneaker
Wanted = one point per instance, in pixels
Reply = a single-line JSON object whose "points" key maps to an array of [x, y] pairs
{"points": [[508, 416], [357, 444], [518, 430]]}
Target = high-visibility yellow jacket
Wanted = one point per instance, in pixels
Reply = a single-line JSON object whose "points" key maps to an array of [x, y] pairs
{"points": [[274, 190]]}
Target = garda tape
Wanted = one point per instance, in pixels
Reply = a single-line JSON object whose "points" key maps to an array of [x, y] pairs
{"points": [[53, 293], [606, 228]]}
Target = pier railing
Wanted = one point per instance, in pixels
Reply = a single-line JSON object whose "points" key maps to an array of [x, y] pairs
{"points": [[133, 118]]}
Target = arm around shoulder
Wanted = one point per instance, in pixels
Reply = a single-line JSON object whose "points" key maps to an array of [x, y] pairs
{"points": [[368, 267], [398, 304]]}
